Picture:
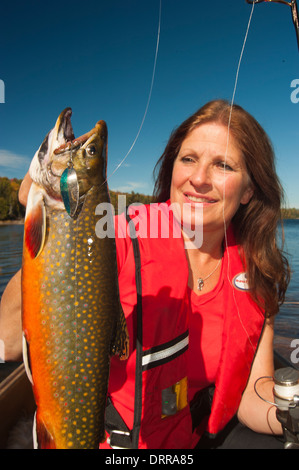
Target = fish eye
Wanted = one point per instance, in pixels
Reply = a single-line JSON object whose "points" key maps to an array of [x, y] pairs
{"points": [[91, 150]]}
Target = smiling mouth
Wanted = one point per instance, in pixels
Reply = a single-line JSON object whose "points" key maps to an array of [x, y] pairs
{"points": [[202, 200]]}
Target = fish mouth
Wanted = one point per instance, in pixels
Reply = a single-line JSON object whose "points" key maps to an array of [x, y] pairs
{"points": [[59, 135], [64, 125], [67, 145], [70, 142]]}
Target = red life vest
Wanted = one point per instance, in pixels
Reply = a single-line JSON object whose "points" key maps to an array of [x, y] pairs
{"points": [[163, 419]]}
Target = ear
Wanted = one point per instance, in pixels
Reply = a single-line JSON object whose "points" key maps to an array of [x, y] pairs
{"points": [[248, 193]]}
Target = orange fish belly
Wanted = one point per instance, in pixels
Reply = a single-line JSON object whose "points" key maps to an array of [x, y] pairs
{"points": [[69, 342]]}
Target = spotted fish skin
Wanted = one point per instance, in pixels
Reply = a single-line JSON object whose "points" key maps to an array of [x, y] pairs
{"points": [[72, 316]]}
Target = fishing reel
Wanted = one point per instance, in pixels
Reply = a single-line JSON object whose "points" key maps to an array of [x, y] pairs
{"points": [[286, 400]]}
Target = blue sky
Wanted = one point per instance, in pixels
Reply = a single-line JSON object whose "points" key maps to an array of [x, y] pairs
{"points": [[97, 57]]}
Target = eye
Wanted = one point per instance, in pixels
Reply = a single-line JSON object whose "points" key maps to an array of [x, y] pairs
{"points": [[91, 150], [187, 159], [224, 166]]}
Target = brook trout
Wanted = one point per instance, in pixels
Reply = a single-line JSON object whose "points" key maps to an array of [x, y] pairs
{"points": [[72, 316]]}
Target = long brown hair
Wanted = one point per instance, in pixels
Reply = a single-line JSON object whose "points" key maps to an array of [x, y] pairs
{"points": [[256, 223]]}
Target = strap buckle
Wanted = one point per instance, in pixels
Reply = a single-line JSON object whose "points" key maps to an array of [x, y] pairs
{"points": [[119, 439]]}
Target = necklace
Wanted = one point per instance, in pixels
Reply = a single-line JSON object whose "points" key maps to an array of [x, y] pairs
{"points": [[200, 280]]}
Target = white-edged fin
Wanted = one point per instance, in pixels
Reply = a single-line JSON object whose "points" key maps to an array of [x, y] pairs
{"points": [[35, 221], [34, 433], [26, 360]]}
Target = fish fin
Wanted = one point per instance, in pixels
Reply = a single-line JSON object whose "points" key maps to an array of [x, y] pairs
{"points": [[43, 438], [26, 360], [120, 344], [34, 434], [35, 221]]}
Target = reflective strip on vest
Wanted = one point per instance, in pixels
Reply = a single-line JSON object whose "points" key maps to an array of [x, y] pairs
{"points": [[166, 352]]}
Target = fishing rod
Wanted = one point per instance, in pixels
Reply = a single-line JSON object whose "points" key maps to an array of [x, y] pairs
{"points": [[294, 8]]}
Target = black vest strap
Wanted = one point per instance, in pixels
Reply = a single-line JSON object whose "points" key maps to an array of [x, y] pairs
{"points": [[120, 435], [138, 372]]}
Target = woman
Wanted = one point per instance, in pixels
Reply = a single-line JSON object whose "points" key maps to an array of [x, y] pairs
{"points": [[205, 323], [248, 196]]}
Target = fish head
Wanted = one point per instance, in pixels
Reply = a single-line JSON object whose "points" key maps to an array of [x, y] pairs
{"points": [[86, 169], [88, 157], [85, 157], [46, 169]]}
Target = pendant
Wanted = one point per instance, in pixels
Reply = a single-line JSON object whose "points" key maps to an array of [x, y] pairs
{"points": [[200, 283]]}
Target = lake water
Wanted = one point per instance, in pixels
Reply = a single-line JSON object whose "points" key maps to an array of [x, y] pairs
{"points": [[287, 321], [11, 245]]}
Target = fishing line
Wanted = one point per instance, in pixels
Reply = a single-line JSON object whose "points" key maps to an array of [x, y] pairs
{"points": [[149, 96], [231, 110], [225, 159]]}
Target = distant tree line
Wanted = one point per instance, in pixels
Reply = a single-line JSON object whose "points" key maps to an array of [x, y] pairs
{"points": [[130, 199], [11, 209], [290, 213]]}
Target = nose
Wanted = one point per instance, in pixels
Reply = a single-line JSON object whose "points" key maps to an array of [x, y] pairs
{"points": [[201, 176]]}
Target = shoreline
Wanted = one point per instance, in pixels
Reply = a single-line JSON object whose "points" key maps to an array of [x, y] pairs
{"points": [[12, 222], [21, 221]]}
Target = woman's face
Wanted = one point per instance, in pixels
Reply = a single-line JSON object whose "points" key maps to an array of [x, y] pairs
{"points": [[209, 181]]}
